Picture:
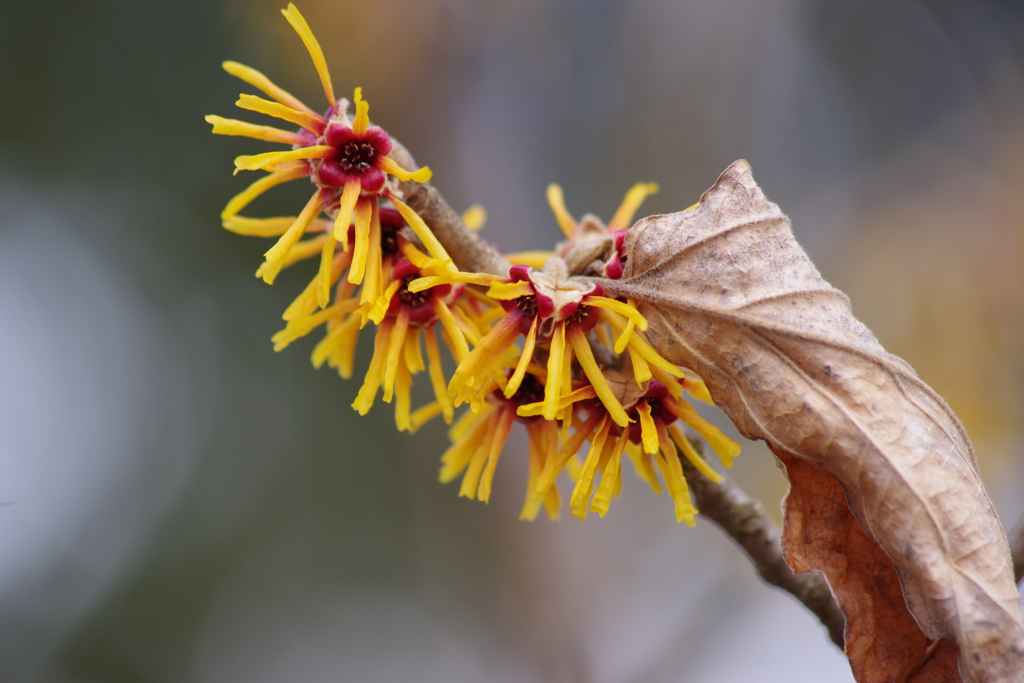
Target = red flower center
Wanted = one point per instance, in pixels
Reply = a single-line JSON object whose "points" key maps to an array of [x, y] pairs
{"points": [[391, 223], [357, 157], [530, 391], [661, 415], [420, 305], [413, 299]]}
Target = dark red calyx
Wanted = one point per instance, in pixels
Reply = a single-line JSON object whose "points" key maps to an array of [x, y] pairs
{"points": [[519, 273]]}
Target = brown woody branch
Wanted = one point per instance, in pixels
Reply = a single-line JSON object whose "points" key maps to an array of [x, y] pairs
{"points": [[738, 515], [468, 250], [744, 520]]}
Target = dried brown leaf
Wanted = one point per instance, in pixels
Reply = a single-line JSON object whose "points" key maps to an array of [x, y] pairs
{"points": [[729, 293], [820, 533]]}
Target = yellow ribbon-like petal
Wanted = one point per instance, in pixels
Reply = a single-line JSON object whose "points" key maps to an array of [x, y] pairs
{"points": [[261, 82], [298, 22]]}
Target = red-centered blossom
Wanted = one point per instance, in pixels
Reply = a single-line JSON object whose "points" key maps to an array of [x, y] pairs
{"points": [[478, 438], [403, 317], [355, 155], [558, 312], [590, 228], [383, 252], [345, 158]]}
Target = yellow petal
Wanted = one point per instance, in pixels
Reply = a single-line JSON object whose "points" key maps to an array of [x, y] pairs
{"points": [[460, 429], [261, 82], [259, 227], [376, 269], [339, 346], [675, 480], [623, 340], [311, 122], [303, 326], [243, 198], [483, 279], [420, 175], [524, 360], [648, 430], [394, 352], [255, 162], [380, 309], [644, 467], [639, 345], [626, 310], [403, 381], [555, 464], [412, 355], [471, 480], [298, 22], [634, 198], [460, 349], [556, 201], [556, 356], [323, 294], [501, 432], [301, 251], [292, 235], [672, 473], [305, 303], [552, 501], [507, 291], [696, 387], [596, 377], [641, 369], [361, 122], [476, 367], [724, 447], [415, 256], [531, 505], [436, 371], [474, 217], [610, 477], [363, 210], [581, 492], [533, 259], [457, 457], [422, 231], [368, 392], [421, 416], [692, 455], [222, 126]]}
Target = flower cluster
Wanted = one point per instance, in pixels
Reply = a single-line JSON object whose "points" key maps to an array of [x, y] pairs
{"points": [[583, 372]]}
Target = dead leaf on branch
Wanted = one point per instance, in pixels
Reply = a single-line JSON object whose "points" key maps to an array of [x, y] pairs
{"points": [[729, 293], [820, 533]]}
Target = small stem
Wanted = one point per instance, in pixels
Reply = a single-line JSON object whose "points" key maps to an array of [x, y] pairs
{"points": [[470, 252]]}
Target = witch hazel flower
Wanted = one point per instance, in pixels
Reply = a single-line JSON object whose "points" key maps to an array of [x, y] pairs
{"points": [[344, 157], [403, 318], [555, 311], [581, 374], [589, 239], [384, 248], [478, 438]]}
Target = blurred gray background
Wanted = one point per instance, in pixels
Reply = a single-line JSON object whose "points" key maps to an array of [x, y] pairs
{"points": [[178, 503]]}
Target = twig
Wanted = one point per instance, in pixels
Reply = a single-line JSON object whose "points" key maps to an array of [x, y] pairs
{"points": [[744, 520], [738, 515], [468, 250]]}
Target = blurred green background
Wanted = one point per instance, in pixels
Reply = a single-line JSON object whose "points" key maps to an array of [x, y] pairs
{"points": [[180, 503]]}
